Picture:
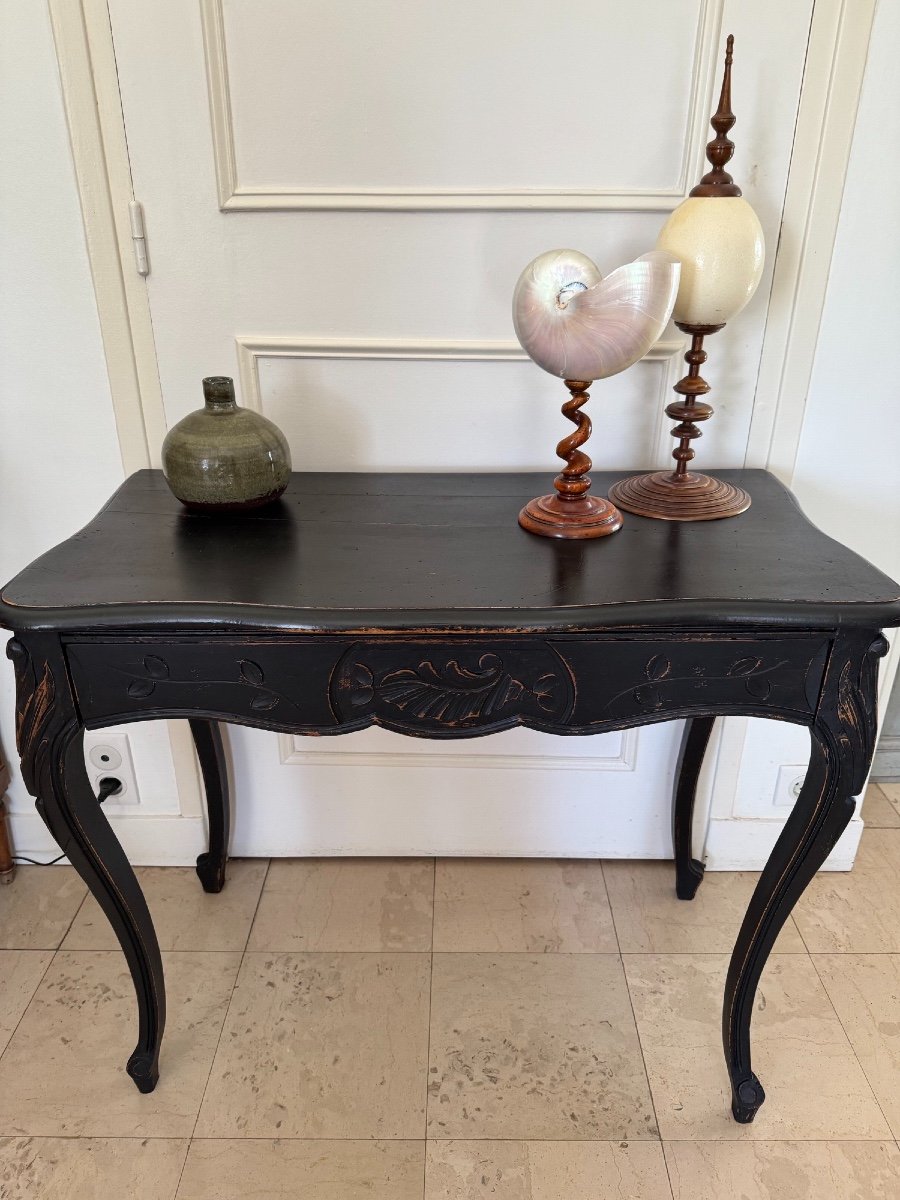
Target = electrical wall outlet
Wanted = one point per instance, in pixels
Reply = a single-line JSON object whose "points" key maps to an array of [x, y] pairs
{"points": [[108, 755], [788, 785]]}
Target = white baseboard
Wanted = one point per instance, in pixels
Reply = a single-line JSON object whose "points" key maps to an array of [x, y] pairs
{"points": [[735, 845], [162, 841], [732, 845]]}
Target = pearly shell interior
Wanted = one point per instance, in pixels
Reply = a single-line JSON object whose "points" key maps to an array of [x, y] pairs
{"points": [[577, 325]]}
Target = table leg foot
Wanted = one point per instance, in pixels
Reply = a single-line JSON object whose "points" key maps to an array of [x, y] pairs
{"points": [[214, 769], [688, 877], [211, 872], [747, 1098], [144, 1071]]}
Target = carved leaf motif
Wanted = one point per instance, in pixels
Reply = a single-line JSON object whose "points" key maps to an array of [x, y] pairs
{"points": [[362, 685], [758, 687], [263, 701], [657, 668], [35, 710], [856, 706], [648, 696], [33, 716], [745, 666], [139, 688], [545, 691], [156, 667], [452, 695], [252, 672]]}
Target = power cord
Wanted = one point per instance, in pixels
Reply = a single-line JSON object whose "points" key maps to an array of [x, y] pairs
{"points": [[109, 786]]}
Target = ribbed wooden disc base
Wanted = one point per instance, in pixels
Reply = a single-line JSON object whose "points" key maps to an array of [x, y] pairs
{"points": [[586, 517], [694, 497]]}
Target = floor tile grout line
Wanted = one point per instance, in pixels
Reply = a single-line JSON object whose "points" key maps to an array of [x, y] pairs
{"points": [[723, 1141], [84, 900], [428, 1040], [187, 1150], [50, 961], [212, 1059], [256, 907], [612, 913], [637, 1032], [493, 952], [665, 1164], [852, 1047]]}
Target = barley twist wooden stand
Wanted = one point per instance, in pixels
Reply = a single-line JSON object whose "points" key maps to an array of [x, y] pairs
{"points": [[571, 512]]}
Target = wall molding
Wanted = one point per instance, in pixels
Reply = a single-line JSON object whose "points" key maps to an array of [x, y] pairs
{"points": [[233, 196], [90, 90], [93, 110], [829, 97], [291, 754], [251, 348]]}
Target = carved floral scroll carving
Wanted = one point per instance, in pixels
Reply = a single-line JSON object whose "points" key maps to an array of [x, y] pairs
{"points": [[155, 671], [471, 688], [37, 715]]}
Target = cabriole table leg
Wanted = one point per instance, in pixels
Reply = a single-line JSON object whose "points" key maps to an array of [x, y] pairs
{"points": [[843, 740], [51, 745]]}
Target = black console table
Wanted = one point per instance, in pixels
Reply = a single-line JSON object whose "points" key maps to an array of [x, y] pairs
{"points": [[417, 603]]}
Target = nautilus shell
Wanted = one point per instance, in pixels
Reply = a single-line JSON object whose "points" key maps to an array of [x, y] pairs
{"points": [[578, 325]]}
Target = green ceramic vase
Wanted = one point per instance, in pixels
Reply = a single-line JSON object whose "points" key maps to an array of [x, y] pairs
{"points": [[223, 457]]}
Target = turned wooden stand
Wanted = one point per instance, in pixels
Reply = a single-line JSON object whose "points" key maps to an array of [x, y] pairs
{"points": [[682, 495]]}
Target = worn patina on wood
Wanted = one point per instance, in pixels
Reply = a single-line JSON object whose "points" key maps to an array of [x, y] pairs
{"points": [[416, 602]]}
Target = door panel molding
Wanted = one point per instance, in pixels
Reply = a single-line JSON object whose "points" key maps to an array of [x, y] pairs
{"points": [[293, 752], [93, 110], [251, 348], [90, 91], [234, 196], [826, 118]]}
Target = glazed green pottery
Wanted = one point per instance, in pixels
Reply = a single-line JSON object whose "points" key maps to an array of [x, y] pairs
{"points": [[223, 457]]}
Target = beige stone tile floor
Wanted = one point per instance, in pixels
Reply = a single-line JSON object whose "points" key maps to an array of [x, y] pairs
{"points": [[519, 1030]]}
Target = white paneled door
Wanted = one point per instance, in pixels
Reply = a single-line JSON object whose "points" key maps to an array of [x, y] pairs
{"points": [[338, 199]]}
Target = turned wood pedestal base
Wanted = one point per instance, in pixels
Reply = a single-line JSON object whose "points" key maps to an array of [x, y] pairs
{"points": [[690, 497]]}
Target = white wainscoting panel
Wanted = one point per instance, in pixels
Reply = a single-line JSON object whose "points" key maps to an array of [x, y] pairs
{"points": [[513, 749], [379, 404], [543, 84]]}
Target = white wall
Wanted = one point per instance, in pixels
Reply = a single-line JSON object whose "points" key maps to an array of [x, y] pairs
{"points": [[847, 474], [59, 454]]}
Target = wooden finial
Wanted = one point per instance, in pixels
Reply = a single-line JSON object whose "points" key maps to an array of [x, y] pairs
{"points": [[718, 182]]}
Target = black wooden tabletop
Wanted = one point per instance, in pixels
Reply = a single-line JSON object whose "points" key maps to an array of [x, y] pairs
{"points": [[440, 551]]}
